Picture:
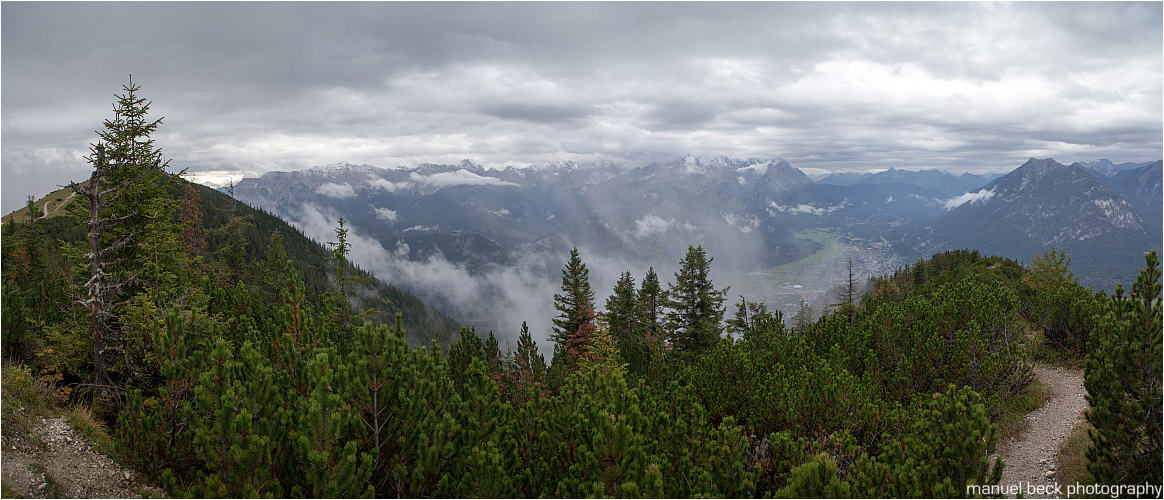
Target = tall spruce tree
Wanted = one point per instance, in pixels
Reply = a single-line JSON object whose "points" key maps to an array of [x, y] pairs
{"points": [[622, 316], [339, 298], [125, 193], [695, 307], [650, 302], [573, 303], [1123, 381]]}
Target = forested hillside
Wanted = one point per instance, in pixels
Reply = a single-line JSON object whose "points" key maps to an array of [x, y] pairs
{"points": [[206, 216], [230, 361]]}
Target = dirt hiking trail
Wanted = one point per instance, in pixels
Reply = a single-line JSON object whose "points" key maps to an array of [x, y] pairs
{"points": [[56, 462], [1031, 457]]}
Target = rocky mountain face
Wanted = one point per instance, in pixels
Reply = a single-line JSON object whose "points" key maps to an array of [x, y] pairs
{"points": [[1142, 187], [1044, 204]]}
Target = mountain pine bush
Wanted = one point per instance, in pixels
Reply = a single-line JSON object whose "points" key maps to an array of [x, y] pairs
{"points": [[1123, 380]]}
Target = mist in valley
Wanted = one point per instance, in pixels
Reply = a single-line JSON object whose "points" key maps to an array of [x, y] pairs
{"points": [[498, 298]]}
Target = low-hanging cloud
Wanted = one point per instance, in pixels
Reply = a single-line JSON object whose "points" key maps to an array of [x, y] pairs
{"points": [[971, 198], [387, 185], [457, 178], [805, 209], [743, 223], [651, 225], [498, 298], [384, 213], [334, 190]]}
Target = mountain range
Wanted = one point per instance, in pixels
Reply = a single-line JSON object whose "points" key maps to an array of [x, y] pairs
{"points": [[1105, 168], [744, 209], [749, 214]]}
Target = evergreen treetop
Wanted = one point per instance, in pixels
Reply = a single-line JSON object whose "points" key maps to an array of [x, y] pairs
{"points": [[695, 307], [650, 302], [576, 298]]}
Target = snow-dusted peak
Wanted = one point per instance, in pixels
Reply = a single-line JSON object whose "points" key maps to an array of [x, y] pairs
{"points": [[471, 166], [571, 165], [706, 165], [342, 167]]}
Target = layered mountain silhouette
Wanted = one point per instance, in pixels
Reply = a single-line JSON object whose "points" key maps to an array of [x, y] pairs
{"points": [[745, 212], [1105, 168]]}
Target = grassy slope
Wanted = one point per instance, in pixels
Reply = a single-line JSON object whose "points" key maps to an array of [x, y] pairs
{"points": [[57, 201]]}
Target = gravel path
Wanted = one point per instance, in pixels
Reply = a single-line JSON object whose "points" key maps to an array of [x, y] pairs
{"points": [[1030, 458], [59, 205], [56, 462]]}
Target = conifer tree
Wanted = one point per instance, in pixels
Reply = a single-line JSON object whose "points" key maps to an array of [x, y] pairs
{"points": [[322, 439], [190, 217], [803, 317], [695, 307], [579, 347], [36, 293], [430, 470], [386, 374], [124, 191], [529, 366], [948, 446], [485, 443], [282, 281], [493, 355], [753, 319], [1123, 381], [623, 319], [576, 297], [462, 353], [230, 258], [339, 298], [848, 295], [650, 301]]}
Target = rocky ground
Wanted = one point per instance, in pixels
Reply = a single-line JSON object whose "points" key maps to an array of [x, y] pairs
{"points": [[55, 462], [1030, 457]]}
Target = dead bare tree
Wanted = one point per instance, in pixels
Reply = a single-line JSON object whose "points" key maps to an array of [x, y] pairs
{"points": [[104, 290]]}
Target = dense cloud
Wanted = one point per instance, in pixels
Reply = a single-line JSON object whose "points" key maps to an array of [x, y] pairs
{"points": [[250, 87]]}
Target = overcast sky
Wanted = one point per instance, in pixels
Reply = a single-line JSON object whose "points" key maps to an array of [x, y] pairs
{"points": [[249, 88]]}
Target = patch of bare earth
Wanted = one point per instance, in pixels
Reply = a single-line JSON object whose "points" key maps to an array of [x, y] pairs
{"points": [[1031, 463], [55, 462]]}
